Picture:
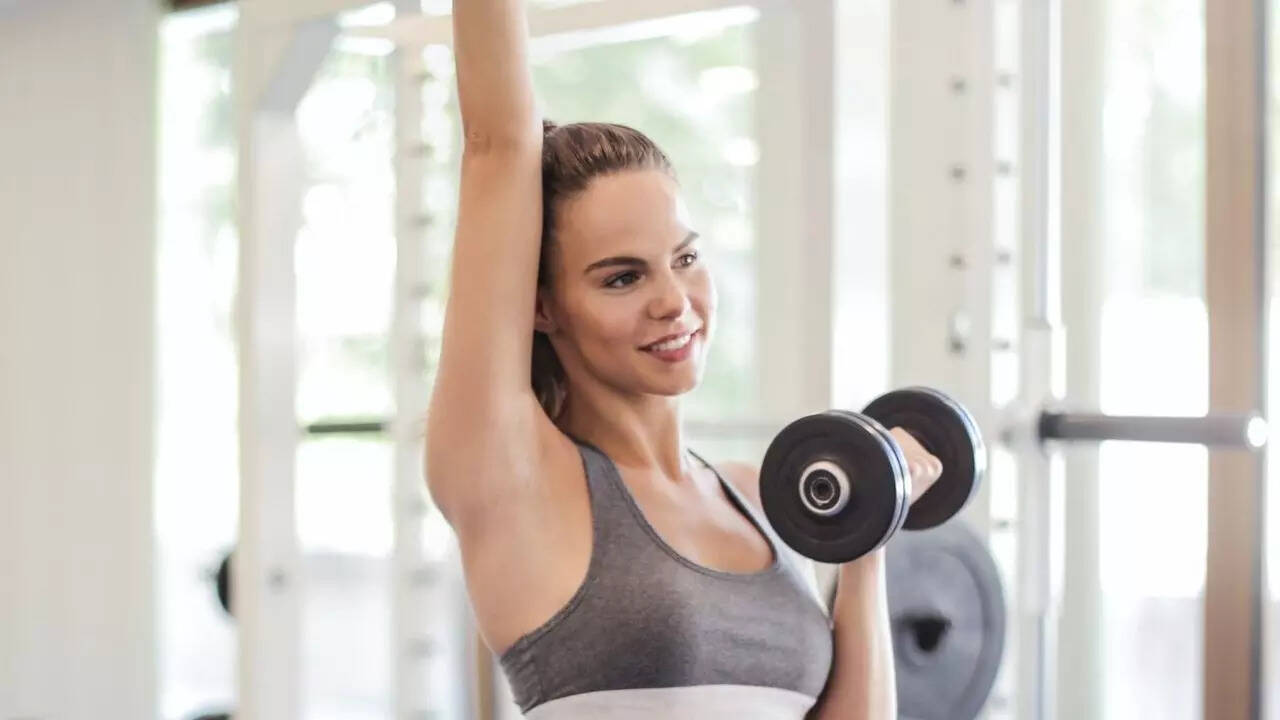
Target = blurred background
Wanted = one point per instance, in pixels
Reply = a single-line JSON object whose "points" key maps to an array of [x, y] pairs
{"points": [[225, 232]]}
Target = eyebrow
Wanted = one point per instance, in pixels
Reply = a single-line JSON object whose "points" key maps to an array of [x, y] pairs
{"points": [[630, 261]]}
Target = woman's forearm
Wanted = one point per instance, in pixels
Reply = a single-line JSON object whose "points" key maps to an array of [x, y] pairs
{"points": [[495, 86], [861, 684]]}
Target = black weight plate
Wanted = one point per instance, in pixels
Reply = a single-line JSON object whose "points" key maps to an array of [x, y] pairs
{"points": [[222, 583], [896, 457], [900, 461], [948, 432], [947, 614], [876, 490]]}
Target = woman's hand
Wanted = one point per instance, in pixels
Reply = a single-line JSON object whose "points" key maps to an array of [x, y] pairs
{"points": [[923, 468]]}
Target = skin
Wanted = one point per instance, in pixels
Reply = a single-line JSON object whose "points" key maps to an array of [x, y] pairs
{"points": [[621, 398]]}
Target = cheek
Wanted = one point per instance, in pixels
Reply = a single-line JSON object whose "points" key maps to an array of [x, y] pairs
{"points": [[606, 320]]}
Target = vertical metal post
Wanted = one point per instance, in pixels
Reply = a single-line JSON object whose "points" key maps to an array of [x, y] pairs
{"points": [[967, 255], [944, 173], [1081, 662], [795, 209], [861, 249], [417, 613], [1235, 293], [1040, 498], [274, 67], [943, 169], [267, 567]]}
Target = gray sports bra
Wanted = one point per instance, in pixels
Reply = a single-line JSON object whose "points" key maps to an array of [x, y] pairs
{"points": [[650, 633]]}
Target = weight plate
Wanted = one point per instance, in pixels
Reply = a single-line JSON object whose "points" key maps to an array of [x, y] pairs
{"points": [[222, 583], [948, 432], [900, 461], [947, 614], [896, 457], [847, 447]]}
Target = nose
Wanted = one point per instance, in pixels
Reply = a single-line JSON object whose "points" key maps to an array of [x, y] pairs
{"points": [[670, 300]]}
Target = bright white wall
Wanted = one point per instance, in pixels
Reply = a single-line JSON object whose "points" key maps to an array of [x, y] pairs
{"points": [[77, 183]]}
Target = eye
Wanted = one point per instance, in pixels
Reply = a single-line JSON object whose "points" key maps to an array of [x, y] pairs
{"points": [[611, 283]]}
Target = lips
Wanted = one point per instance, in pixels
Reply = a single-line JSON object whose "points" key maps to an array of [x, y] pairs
{"points": [[668, 338]]}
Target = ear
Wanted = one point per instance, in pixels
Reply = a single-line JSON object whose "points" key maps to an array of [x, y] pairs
{"points": [[542, 318]]}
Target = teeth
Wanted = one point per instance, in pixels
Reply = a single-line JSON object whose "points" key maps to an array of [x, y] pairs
{"points": [[673, 344]]}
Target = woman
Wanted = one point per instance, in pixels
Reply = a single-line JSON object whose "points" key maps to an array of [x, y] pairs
{"points": [[613, 572]]}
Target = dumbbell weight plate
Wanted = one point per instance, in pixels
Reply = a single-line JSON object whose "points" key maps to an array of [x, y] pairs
{"points": [[897, 458], [830, 486], [948, 432]]}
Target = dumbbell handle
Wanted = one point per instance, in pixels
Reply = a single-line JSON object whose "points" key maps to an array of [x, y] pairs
{"points": [[1246, 431]]}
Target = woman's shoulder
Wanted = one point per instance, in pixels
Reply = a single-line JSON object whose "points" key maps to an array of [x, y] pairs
{"points": [[745, 477]]}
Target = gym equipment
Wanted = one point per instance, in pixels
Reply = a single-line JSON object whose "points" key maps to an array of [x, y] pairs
{"points": [[947, 617], [834, 484], [222, 583], [945, 429]]}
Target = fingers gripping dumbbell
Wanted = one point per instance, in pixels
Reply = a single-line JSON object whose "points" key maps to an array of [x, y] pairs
{"points": [[835, 485]]}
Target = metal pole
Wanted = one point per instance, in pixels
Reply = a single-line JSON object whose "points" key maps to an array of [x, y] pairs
{"points": [[1247, 431], [416, 593], [728, 429], [1040, 505], [274, 67]]}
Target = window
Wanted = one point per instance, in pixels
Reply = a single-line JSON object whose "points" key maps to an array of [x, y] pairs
{"points": [[1154, 357]]}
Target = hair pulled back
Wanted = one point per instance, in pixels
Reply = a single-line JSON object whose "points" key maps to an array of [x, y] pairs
{"points": [[572, 156]]}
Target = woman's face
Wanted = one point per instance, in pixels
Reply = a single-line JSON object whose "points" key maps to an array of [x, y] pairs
{"points": [[628, 270]]}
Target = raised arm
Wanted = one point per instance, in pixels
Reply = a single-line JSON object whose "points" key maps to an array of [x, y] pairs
{"points": [[495, 88], [482, 414]]}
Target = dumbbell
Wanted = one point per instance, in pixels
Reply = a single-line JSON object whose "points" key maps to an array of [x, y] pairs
{"points": [[834, 485]]}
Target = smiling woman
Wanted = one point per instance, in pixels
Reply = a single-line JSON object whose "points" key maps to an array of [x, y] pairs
{"points": [[621, 188], [649, 583]]}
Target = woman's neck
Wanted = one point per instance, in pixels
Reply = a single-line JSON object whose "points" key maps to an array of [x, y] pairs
{"points": [[641, 434]]}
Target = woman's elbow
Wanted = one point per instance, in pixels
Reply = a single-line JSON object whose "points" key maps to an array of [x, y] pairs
{"points": [[500, 138]]}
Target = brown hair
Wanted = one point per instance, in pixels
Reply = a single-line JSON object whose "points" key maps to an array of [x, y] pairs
{"points": [[572, 156]]}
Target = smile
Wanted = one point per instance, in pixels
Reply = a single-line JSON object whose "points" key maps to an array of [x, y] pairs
{"points": [[675, 344]]}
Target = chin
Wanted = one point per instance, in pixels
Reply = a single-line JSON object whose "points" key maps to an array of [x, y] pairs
{"points": [[681, 387]]}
